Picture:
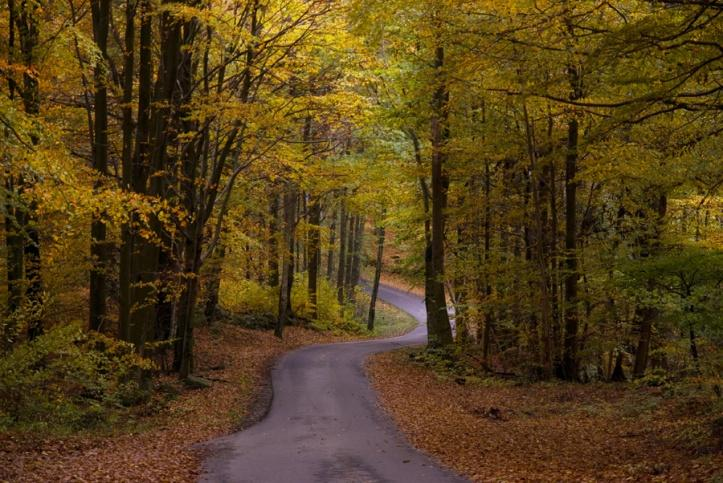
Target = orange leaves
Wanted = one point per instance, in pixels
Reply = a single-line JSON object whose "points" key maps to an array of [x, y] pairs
{"points": [[157, 442], [542, 432]]}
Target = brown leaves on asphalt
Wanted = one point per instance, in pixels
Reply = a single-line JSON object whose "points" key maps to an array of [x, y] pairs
{"points": [[541, 432], [161, 448]]}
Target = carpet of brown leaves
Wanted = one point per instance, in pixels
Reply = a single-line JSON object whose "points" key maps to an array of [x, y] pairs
{"points": [[540, 432], [237, 360]]}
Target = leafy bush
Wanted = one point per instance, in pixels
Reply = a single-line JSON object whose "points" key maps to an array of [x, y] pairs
{"points": [[67, 378], [247, 297]]}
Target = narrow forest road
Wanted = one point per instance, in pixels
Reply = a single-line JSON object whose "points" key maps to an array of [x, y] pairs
{"points": [[324, 424]]}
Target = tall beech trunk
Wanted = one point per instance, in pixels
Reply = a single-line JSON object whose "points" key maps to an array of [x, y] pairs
{"points": [[357, 254], [293, 251], [213, 284], [569, 355], [348, 262], [274, 241], [488, 312], [287, 261], [538, 242], [26, 21], [99, 250], [126, 249], [137, 311], [330, 251], [14, 260], [340, 275], [14, 241], [646, 315], [314, 248], [440, 331], [426, 202], [380, 232]]}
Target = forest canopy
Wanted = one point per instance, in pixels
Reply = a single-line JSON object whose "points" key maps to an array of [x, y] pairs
{"points": [[549, 171]]}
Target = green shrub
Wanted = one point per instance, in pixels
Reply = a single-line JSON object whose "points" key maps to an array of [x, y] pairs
{"points": [[67, 378]]}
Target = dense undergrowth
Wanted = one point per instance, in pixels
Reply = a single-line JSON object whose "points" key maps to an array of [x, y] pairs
{"points": [[70, 380]]}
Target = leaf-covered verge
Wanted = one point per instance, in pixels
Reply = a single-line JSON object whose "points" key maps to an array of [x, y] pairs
{"points": [[155, 441], [505, 430]]}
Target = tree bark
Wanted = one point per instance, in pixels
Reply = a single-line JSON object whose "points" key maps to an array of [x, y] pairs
{"points": [[213, 285], [380, 231], [340, 275], [126, 250], [330, 252], [314, 249], [440, 331], [357, 255], [287, 260], [569, 356], [99, 250], [274, 242]]}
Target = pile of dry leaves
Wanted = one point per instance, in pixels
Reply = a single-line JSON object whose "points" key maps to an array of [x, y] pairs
{"points": [[236, 360], [543, 432]]}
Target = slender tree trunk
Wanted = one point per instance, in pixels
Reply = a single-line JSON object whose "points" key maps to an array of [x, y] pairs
{"points": [[314, 249], [340, 275], [488, 312], [213, 284], [274, 242], [646, 315], [287, 258], [29, 36], [330, 252], [569, 356], [14, 241], [380, 231], [99, 250], [357, 255], [304, 212], [440, 331], [348, 262], [426, 201], [126, 251], [138, 314]]}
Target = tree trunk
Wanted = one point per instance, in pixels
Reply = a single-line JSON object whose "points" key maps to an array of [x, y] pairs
{"points": [[377, 276], [340, 275], [440, 331], [29, 33], [274, 242], [138, 310], [126, 250], [357, 255], [349, 261], [314, 249], [569, 356], [330, 252], [647, 315], [488, 312], [99, 250], [213, 285], [287, 260]]}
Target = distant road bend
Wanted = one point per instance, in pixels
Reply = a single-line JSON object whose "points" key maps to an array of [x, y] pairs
{"points": [[324, 424]]}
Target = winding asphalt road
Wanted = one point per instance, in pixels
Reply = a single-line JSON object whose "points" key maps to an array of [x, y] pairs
{"points": [[324, 424]]}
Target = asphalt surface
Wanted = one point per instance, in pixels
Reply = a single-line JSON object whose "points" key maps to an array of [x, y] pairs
{"points": [[324, 424]]}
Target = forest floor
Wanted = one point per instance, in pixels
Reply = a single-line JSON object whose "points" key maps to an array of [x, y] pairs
{"points": [[509, 431], [158, 440]]}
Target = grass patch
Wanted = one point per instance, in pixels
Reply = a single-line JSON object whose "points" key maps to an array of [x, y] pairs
{"points": [[391, 321]]}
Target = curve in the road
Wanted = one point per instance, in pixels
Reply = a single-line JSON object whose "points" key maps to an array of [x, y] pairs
{"points": [[324, 424]]}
